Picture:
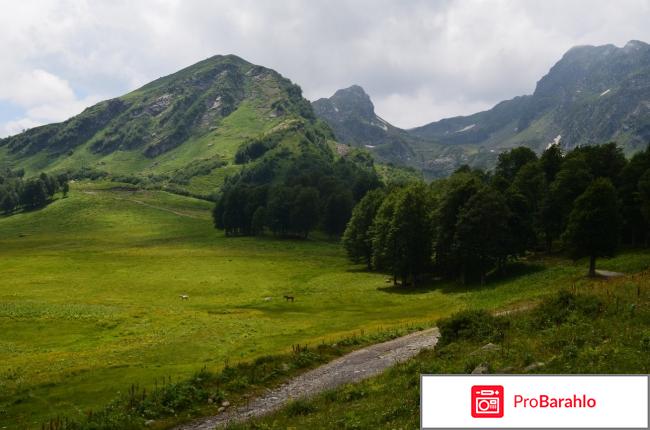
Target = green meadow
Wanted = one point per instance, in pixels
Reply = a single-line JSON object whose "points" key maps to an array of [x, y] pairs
{"points": [[90, 301]]}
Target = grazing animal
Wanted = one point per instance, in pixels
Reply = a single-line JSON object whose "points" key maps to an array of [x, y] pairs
{"points": [[184, 296], [289, 298]]}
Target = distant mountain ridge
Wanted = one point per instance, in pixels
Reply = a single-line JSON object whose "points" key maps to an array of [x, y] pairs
{"points": [[594, 94], [351, 115], [194, 128]]}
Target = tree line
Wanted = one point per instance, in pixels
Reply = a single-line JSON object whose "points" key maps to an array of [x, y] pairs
{"points": [[293, 188], [16, 192], [586, 202]]}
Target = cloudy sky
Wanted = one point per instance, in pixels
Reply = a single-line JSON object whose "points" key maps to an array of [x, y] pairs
{"points": [[419, 60]]}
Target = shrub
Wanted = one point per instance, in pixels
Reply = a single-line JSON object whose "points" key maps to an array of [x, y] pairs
{"points": [[471, 325], [559, 308], [300, 407]]}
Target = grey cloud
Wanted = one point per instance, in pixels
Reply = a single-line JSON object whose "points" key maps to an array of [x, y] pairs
{"points": [[419, 60]]}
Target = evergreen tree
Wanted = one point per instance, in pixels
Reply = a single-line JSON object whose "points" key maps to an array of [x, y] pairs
{"points": [[635, 227], [644, 198], [402, 233], [259, 221], [509, 162], [278, 210], [458, 189], [337, 212], [65, 188], [8, 200], [34, 194], [357, 238], [603, 161], [571, 181], [50, 183], [482, 236], [304, 213], [551, 162], [592, 229]]}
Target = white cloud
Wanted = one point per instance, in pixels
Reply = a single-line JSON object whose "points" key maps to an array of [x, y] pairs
{"points": [[16, 126], [44, 98], [419, 60], [36, 87]]}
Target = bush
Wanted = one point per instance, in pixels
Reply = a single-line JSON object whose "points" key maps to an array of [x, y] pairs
{"points": [[559, 308], [300, 407], [471, 325]]}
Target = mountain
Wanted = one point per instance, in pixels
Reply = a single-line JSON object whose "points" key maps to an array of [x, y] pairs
{"points": [[594, 94], [182, 130], [351, 115]]}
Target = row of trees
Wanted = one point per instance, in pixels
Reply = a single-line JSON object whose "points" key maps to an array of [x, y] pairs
{"points": [[284, 210], [17, 192], [464, 226], [312, 192]]}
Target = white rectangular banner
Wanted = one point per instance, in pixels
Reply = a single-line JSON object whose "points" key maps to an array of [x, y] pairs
{"points": [[534, 401]]}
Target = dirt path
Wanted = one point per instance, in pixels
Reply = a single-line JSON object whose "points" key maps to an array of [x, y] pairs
{"points": [[171, 211], [609, 274], [140, 202], [353, 367]]}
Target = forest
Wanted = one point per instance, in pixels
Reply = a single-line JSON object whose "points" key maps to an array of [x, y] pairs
{"points": [[18, 193], [585, 203]]}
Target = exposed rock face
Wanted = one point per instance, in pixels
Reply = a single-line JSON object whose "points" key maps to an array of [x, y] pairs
{"points": [[351, 115]]}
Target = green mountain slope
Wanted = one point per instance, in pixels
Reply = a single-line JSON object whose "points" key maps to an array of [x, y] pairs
{"points": [[183, 129], [594, 94]]}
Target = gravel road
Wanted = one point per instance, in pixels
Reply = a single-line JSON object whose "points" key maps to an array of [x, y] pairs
{"points": [[353, 367]]}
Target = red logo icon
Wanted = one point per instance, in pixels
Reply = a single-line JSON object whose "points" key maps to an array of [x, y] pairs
{"points": [[487, 401]]}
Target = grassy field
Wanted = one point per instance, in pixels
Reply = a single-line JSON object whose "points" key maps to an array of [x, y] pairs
{"points": [[595, 327], [90, 285]]}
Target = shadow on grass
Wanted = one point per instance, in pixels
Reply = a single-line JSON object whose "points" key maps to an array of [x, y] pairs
{"points": [[512, 272]]}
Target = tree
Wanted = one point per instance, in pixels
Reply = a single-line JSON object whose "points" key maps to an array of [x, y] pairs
{"points": [[551, 162], [65, 187], [458, 189], [635, 226], [482, 237], [530, 182], [412, 223], [8, 201], [510, 162], [337, 212], [593, 227], [570, 182], [278, 210], [603, 161], [62, 179], [384, 237], [304, 213], [259, 221], [235, 208], [34, 194], [357, 239], [402, 233], [50, 183], [644, 197]]}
